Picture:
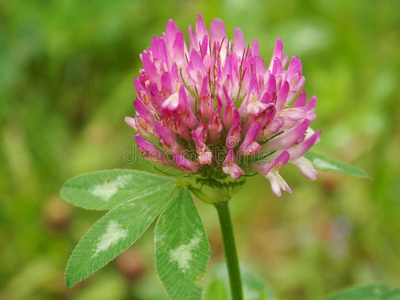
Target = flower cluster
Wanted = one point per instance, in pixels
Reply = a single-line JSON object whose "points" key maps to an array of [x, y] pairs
{"points": [[215, 109]]}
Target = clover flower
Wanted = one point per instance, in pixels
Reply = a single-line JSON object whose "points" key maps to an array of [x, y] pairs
{"points": [[216, 110]]}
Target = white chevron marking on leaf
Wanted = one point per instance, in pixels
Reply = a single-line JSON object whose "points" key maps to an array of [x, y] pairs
{"points": [[113, 234], [108, 189], [183, 254]]}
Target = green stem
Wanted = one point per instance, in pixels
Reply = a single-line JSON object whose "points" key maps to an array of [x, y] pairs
{"points": [[230, 250]]}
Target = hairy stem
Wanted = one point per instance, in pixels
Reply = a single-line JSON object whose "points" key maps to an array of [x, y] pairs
{"points": [[230, 250]]}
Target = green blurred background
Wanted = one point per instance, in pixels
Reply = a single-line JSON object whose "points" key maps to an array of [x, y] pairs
{"points": [[66, 83]]}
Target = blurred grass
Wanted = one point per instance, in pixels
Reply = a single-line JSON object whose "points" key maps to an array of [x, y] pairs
{"points": [[66, 70]]}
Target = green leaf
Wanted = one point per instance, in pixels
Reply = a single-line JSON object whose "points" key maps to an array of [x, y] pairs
{"points": [[181, 248], [253, 287], [217, 289], [103, 190], [323, 163], [115, 232], [370, 292]]}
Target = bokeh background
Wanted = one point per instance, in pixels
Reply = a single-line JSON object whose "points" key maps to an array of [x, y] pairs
{"points": [[66, 83]]}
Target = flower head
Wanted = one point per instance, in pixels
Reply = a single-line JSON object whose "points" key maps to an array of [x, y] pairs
{"points": [[215, 109]]}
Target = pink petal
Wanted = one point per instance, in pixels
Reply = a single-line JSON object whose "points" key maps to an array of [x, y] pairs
{"points": [[311, 103], [304, 146], [159, 49], [184, 164], [215, 125], [278, 53], [149, 68], [249, 146], [279, 161], [305, 167], [230, 166], [255, 48], [171, 31], [234, 135], [289, 139], [278, 184], [205, 101], [196, 68], [167, 139], [151, 152], [240, 44], [273, 127], [201, 29], [130, 121], [301, 100], [204, 152], [217, 31], [281, 99]]}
